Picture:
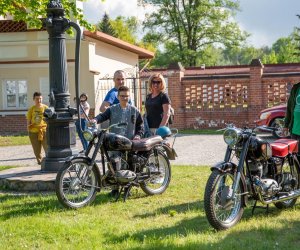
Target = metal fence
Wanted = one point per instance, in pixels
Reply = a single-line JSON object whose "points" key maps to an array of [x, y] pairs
{"points": [[138, 90]]}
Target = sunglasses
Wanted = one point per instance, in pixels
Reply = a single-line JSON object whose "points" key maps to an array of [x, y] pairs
{"points": [[156, 82]]}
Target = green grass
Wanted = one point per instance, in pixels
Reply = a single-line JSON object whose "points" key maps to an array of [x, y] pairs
{"points": [[6, 167], [14, 140], [173, 220]]}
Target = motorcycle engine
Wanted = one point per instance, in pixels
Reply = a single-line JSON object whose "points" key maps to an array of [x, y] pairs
{"points": [[137, 162], [118, 160], [257, 168], [268, 187]]}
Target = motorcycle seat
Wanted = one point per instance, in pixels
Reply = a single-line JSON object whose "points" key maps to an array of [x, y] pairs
{"points": [[283, 147], [146, 144]]}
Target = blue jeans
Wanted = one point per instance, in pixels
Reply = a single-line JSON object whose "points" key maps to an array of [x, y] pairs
{"points": [[83, 127]]}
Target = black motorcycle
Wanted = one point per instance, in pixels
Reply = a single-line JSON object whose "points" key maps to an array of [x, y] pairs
{"points": [[253, 171], [125, 163]]}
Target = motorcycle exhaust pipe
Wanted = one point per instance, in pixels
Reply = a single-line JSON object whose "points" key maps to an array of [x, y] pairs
{"points": [[295, 194]]}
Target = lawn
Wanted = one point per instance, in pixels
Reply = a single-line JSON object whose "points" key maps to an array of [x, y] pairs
{"points": [[173, 220], [14, 140], [7, 167]]}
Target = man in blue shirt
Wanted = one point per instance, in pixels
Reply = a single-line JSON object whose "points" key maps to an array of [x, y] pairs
{"points": [[111, 97]]}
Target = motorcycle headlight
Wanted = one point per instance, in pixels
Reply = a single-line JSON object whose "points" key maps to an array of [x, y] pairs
{"points": [[232, 136], [88, 135], [264, 116]]}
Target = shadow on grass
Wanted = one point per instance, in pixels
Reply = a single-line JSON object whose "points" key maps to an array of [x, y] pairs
{"points": [[21, 206], [179, 208], [183, 229]]}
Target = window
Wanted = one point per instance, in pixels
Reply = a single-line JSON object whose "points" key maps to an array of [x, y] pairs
{"points": [[15, 94]]}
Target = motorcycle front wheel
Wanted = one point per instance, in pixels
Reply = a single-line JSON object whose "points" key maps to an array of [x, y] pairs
{"points": [[76, 186], [221, 212], [160, 175]]}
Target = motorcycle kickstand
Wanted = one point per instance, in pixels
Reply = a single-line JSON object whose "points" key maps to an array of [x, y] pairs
{"points": [[119, 194], [254, 207], [127, 192]]}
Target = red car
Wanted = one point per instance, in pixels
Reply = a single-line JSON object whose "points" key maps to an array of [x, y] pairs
{"points": [[272, 117]]}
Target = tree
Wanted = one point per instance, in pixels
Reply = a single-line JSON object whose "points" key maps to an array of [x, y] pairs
{"points": [[125, 28], [105, 26], [297, 39], [285, 49], [242, 55], [32, 11], [270, 58], [192, 25]]}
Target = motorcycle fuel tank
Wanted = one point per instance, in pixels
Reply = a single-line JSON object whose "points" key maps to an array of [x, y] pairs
{"points": [[117, 142], [259, 149]]}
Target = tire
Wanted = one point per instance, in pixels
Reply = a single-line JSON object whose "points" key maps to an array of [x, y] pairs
{"points": [[222, 216], [293, 172], [275, 124], [157, 183], [71, 190]]}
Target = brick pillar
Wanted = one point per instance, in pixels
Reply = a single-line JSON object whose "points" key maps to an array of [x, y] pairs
{"points": [[176, 92], [255, 92]]}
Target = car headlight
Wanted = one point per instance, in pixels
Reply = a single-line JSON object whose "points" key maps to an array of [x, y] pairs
{"points": [[232, 136], [88, 135], [265, 115]]}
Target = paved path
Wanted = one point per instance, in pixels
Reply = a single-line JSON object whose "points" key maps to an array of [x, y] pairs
{"points": [[191, 150]]}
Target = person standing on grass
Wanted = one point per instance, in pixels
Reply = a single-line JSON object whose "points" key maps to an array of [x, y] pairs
{"points": [[37, 126]]}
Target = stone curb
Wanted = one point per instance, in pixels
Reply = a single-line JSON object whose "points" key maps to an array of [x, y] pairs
{"points": [[27, 179]]}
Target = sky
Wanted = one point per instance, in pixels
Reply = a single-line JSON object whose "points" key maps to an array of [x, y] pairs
{"points": [[265, 20]]}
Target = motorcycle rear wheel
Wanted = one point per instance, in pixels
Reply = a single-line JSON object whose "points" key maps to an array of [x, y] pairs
{"points": [[222, 213], [288, 169], [75, 186], [157, 183]]}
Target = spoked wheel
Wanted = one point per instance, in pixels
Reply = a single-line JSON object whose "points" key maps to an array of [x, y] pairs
{"points": [[222, 213], [76, 185], [290, 182], [160, 174]]}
